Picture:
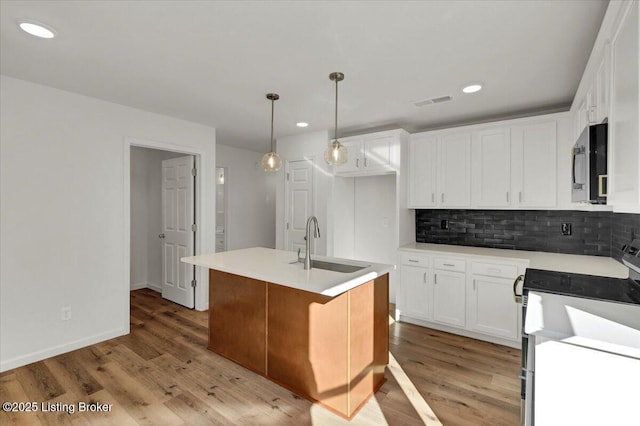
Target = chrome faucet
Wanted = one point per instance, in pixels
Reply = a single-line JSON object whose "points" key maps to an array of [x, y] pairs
{"points": [[307, 238]]}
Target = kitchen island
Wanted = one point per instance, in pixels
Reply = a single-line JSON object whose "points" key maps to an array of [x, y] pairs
{"points": [[320, 333]]}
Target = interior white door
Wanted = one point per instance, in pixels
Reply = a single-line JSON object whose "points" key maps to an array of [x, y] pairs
{"points": [[299, 188], [177, 220]]}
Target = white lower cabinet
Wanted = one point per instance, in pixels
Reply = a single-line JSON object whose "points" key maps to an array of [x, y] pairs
{"points": [[418, 296], [491, 307], [449, 297], [466, 294]]}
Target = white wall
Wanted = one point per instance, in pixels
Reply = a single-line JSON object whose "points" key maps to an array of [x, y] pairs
{"points": [[251, 198], [64, 215], [146, 216], [310, 146]]}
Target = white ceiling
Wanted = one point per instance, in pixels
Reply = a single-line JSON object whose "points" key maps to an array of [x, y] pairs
{"points": [[212, 62]]}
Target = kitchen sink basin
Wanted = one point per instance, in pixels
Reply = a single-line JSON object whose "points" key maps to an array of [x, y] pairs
{"points": [[336, 267], [333, 266]]}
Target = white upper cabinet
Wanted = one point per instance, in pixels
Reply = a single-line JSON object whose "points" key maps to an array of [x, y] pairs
{"points": [[454, 162], [602, 87], [371, 154], [491, 153], [534, 165], [354, 155], [508, 166], [624, 133], [422, 171]]}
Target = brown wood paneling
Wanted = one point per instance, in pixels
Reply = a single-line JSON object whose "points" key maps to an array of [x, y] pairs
{"points": [[307, 344], [237, 319], [369, 340]]}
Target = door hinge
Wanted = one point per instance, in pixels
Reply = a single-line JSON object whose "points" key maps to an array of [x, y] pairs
{"points": [[287, 176], [194, 227], [194, 172], [194, 283]]}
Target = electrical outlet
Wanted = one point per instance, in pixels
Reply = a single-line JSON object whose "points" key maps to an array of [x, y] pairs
{"points": [[566, 229], [444, 224], [65, 313]]}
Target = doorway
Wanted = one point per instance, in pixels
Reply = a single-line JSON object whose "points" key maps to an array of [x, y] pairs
{"points": [[298, 202], [162, 215]]}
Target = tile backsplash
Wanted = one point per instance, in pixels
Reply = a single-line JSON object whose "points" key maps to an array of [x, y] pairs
{"points": [[592, 233]]}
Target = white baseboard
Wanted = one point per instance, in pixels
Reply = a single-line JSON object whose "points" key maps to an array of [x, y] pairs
{"points": [[61, 349], [138, 286], [154, 287]]}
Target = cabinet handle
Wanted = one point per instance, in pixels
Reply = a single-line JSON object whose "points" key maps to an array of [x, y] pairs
{"points": [[474, 285], [448, 264], [520, 196], [433, 197], [507, 196], [413, 260], [435, 278], [365, 161], [442, 197], [424, 279], [517, 297], [357, 163]]}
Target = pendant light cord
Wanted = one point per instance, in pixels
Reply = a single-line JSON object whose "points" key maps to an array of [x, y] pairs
{"points": [[335, 138], [272, 106]]}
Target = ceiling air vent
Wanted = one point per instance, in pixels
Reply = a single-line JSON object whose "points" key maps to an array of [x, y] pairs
{"points": [[431, 101]]}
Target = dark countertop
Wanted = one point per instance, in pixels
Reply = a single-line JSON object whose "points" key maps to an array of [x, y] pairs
{"points": [[586, 286]]}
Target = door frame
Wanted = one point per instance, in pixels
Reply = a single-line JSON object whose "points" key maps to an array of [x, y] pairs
{"points": [[287, 169], [202, 161]]}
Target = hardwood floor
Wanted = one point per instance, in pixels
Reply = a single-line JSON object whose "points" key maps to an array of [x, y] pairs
{"points": [[162, 374]]}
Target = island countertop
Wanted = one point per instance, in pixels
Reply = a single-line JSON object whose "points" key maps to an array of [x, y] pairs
{"points": [[275, 266]]}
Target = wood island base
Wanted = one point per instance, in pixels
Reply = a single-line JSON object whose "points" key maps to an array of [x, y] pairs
{"points": [[330, 350]]}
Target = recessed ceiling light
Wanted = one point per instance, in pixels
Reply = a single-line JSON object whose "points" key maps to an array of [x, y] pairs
{"points": [[37, 30], [472, 88], [302, 124]]}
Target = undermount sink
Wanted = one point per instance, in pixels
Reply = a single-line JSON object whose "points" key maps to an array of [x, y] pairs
{"points": [[334, 266]]}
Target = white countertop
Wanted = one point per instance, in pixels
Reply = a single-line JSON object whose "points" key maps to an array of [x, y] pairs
{"points": [[275, 266], [570, 263]]}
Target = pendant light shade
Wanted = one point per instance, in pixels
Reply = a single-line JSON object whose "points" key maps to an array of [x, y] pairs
{"points": [[336, 153], [271, 160]]}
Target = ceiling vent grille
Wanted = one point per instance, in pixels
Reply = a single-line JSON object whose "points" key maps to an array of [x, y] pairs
{"points": [[432, 101]]}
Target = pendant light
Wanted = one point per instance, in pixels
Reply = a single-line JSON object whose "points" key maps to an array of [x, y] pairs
{"points": [[271, 160], [336, 153]]}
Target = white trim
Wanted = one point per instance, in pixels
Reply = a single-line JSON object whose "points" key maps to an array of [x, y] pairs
{"points": [[138, 286], [155, 287], [61, 349], [202, 274]]}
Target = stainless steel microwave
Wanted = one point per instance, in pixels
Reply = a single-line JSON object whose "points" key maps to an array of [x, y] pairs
{"points": [[589, 166]]}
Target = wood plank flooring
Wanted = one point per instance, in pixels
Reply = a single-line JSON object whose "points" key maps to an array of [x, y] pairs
{"points": [[162, 374]]}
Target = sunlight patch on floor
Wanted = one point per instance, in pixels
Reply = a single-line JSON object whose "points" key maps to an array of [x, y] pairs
{"points": [[372, 413], [422, 408]]}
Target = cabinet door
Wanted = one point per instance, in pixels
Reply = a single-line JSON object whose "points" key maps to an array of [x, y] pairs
{"points": [[602, 87], [492, 167], [624, 124], [416, 292], [449, 303], [422, 171], [354, 156], [454, 185], [377, 153], [534, 166], [492, 308]]}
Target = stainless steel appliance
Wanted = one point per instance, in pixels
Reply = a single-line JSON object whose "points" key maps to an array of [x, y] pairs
{"points": [[589, 166]]}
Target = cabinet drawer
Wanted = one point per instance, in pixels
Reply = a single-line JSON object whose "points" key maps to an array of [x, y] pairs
{"points": [[458, 265], [500, 270], [413, 259]]}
